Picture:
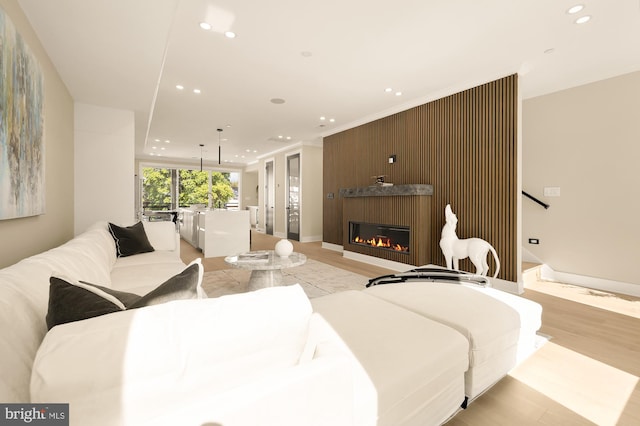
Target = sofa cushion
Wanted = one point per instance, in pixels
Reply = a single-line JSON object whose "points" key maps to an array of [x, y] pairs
{"points": [[89, 256], [71, 300], [141, 279], [130, 240], [142, 359]]}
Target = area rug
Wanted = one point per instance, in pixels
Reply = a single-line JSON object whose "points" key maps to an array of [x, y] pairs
{"points": [[316, 278]]}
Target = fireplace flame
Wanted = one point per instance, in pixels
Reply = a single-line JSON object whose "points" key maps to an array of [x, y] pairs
{"points": [[380, 242]]}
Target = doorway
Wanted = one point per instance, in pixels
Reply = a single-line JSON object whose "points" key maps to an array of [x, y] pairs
{"points": [[293, 202], [269, 197]]}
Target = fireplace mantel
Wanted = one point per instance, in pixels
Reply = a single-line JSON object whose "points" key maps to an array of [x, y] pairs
{"points": [[387, 191]]}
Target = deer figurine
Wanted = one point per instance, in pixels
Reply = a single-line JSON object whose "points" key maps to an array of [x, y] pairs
{"points": [[454, 249]]}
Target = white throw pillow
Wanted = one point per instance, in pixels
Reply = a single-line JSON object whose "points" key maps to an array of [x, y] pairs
{"points": [[121, 364], [161, 235]]}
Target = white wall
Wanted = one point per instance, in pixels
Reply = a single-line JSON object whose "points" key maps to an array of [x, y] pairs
{"points": [[311, 206], [27, 236], [311, 187], [104, 166], [585, 140], [249, 189]]}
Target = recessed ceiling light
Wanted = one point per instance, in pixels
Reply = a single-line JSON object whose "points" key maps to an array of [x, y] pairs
{"points": [[230, 34], [167, 141], [280, 136], [398, 93], [205, 26], [332, 120], [288, 138], [228, 126], [157, 140], [323, 118], [575, 9], [163, 148], [154, 147], [583, 19], [388, 90], [179, 86], [255, 151], [196, 91], [277, 101]]}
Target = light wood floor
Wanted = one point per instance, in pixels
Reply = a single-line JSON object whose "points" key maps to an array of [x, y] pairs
{"points": [[588, 373]]}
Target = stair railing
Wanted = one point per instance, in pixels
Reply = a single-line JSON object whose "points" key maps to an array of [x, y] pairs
{"points": [[535, 200]]}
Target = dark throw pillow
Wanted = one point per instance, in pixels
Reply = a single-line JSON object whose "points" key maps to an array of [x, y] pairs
{"points": [[127, 299], [130, 240], [71, 300], [182, 286]]}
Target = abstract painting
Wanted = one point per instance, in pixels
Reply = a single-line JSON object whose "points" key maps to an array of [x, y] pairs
{"points": [[22, 186]]}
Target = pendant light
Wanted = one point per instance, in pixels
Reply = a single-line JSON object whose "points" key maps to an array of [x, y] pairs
{"points": [[201, 146], [219, 149]]}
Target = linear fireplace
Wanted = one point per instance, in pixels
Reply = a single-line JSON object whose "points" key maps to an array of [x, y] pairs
{"points": [[400, 213], [383, 237]]}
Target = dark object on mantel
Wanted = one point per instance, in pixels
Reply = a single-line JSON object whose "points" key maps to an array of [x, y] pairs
{"points": [[387, 191]]}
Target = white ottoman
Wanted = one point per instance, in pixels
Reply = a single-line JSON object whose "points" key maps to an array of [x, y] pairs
{"points": [[498, 325], [417, 365]]}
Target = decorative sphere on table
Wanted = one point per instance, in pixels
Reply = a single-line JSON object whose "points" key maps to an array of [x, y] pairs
{"points": [[283, 248]]}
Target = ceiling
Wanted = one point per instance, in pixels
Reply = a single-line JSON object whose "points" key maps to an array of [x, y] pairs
{"points": [[331, 59]]}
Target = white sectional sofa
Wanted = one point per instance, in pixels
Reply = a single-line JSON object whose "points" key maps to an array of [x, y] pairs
{"points": [[91, 256], [254, 358], [401, 354]]}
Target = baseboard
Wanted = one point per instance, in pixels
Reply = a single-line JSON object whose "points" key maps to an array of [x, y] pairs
{"points": [[376, 261], [333, 247], [548, 274], [311, 239], [280, 234]]}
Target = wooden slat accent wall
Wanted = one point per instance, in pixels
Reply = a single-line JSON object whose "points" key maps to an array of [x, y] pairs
{"points": [[465, 145]]}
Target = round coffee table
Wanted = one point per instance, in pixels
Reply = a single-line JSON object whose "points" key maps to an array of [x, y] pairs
{"points": [[265, 266]]}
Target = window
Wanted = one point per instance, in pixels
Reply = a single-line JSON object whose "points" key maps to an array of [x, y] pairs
{"points": [[168, 189], [156, 189]]}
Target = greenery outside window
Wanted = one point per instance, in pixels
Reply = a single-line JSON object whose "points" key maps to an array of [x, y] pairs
{"points": [[156, 189], [168, 189]]}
